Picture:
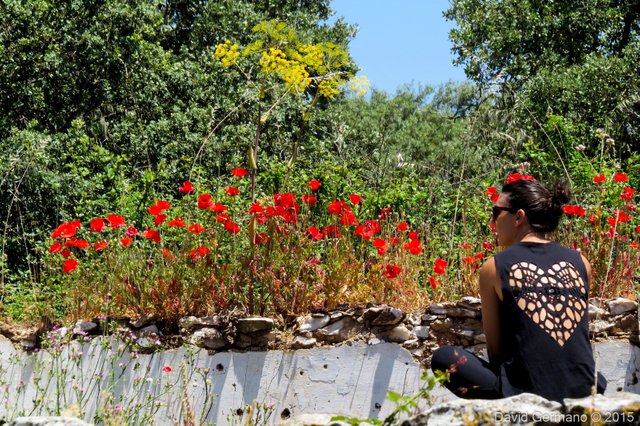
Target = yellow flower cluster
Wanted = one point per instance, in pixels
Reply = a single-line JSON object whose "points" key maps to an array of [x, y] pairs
{"points": [[329, 88], [227, 53], [295, 76], [360, 85]]}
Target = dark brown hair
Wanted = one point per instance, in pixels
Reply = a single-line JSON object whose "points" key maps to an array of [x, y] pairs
{"points": [[542, 205]]}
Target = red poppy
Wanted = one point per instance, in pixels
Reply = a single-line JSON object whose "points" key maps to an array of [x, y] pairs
{"points": [[166, 369], [315, 233], [331, 231], [413, 246], [600, 178], [77, 243], [126, 241], [403, 226], [204, 201], [65, 253], [178, 221], [69, 265], [469, 259], [100, 245], [517, 176], [186, 187], [348, 218], [356, 199], [314, 185], [368, 229], [631, 207], [487, 246], [231, 191], [66, 230], [381, 245], [491, 190], [573, 210], [392, 271], [167, 253], [465, 246], [638, 229], [96, 225], [432, 282], [218, 207], [620, 177], [479, 255], [55, 247], [255, 208], [201, 251], [232, 227], [261, 238], [336, 207], [627, 194], [131, 232], [621, 217], [159, 219], [115, 220], [196, 228], [152, 234], [439, 267], [384, 213], [309, 199], [634, 245], [394, 240], [413, 235], [239, 172]]}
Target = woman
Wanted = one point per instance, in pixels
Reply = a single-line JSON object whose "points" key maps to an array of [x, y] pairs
{"points": [[534, 307]]}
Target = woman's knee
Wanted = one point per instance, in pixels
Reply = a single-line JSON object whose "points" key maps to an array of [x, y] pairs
{"points": [[444, 357]]}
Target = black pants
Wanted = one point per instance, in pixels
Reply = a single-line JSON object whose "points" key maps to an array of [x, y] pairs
{"points": [[472, 377], [469, 376]]}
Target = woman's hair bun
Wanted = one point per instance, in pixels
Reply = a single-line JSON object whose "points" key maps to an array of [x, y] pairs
{"points": [[560, 194]]}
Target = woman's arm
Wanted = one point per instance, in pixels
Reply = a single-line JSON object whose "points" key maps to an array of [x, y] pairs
{"points": [[490, 295]]}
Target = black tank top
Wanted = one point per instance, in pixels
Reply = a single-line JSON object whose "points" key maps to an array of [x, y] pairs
{"points": [[544, 322]]}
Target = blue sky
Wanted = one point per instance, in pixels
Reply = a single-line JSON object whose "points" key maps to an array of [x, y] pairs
{"points": [[400, 42]]}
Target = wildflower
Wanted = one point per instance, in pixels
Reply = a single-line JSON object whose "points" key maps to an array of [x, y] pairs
{"points": [[309, 200], [166, 369], [100, 245], [356, 199], [96, 225], [637, 229], [331, 231], [65, 253], [218, 207], [413, 246], [126, 241], [469, 259], [413, 235], [384, 213], [392, 271], [314, 185], [487, 246], [232, 227], [77, 243], [479, 255], [231, 191], [177, 222], [403, 226], [627, 193], [634, 245], [160, 218], [620, 177], [131, 232], [261, 238], [186, 187], [381, 245], [196, 228], [432, 282], [256, 208], [66, 230], [336, 207], [152, 234], [621, 217], [600, 178], [368, 229], [55, 247], [439, 267], [69, 265], [204, 201], [465, 246], [517, 176], [580, 148], [348, 218], [116, 221], [201, 251], [573, 210], [239, 172], [314, 233]]}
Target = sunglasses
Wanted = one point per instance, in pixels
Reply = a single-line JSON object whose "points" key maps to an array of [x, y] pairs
{"points": [[495, 211]]}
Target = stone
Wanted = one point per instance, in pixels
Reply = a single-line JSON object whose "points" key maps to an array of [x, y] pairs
{"points": [[143, 321], [600, 326], [209, 338], [596, 312], [421, 331], [255, 324], [254, 340], [301, 342], [470, 302], [383, 316], [621, 407], [480, 338], [84, 327], [521, 409], [194, 323], [620, 305], [442, 324], [397, 334], [452, 310], [339, 331], [312, 322], [430, 317], [47, 421], [148, 331]]}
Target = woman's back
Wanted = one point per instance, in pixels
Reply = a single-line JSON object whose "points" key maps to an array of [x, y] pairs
{"points": [[544, 322]]}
